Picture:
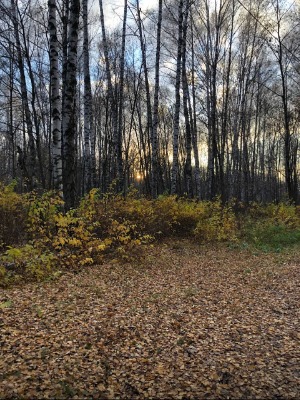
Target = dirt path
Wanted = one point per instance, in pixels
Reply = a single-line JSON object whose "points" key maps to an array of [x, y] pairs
{"points": [[188, 323]]}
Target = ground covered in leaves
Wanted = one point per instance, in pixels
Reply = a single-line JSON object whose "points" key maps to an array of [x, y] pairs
{"points": [[187, 322]]}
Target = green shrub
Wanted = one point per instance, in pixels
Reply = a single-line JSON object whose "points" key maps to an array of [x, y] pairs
{"points": [[272, 227], [270, 236]]}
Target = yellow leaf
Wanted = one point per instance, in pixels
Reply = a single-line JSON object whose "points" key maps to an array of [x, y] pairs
{"points": [[75, 242], [87, 260], [108, 242]]}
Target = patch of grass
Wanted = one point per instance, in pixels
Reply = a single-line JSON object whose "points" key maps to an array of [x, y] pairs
{"points": [[272, 237]]}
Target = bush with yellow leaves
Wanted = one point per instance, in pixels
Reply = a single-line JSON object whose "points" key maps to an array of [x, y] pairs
{"points": [[13, 216], [54, 240], [38, 238], [217, 222], [118, 222]]}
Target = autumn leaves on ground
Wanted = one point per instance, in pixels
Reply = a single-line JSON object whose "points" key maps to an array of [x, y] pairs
{"points": [[188, 322]]}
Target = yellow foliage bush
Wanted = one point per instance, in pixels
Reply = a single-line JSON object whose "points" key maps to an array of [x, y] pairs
{"points": [[118, 222], [13, 214], [126, 220], [55, 240], [281, 213], [38, 238], [29, 261], [216, 223]]}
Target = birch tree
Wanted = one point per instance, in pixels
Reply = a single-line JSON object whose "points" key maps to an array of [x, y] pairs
{"points": [[55, 96], [69, 115], [154, 137], [87, 101], [176, 123]]}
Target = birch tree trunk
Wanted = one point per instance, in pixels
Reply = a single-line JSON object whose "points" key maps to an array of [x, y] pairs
{"points": [[154, 138], [55, 97], [87, 102], [174, 172], [69, 117]]}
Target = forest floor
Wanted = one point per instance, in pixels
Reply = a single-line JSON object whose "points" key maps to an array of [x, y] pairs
{"points": [[186, 322]]}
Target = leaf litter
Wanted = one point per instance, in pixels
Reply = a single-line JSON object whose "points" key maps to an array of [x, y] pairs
{"points": [[186, 322]]}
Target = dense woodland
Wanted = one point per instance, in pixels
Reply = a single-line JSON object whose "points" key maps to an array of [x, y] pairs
{"points": [[196, 98], [149, 217]]}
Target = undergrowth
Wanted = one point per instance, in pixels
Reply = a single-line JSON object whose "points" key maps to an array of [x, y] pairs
{"points": [[273, 227], [38, 240]]}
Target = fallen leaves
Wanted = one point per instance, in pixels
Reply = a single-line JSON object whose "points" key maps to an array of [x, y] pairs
{"points": [[188, 324]]}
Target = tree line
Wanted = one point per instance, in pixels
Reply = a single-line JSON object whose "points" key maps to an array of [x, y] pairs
{"points": [[196, 98]]}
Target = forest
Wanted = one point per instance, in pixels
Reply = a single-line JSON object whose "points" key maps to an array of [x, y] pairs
{"points": [[149, 199], [193, 98]]}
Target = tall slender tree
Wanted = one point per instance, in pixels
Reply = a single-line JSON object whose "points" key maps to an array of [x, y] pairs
{"points": [[176, 123], [154, 137], [121, 98], [31, 167], [55, 96], [69, 115], [87, 101], [117, 155]]}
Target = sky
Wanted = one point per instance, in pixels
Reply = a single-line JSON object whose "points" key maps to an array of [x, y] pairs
{"points": [[113, 10]]}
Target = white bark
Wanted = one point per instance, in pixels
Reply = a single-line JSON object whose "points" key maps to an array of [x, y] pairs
{"points": [[55, 97], [69, 116], [88, 112]]}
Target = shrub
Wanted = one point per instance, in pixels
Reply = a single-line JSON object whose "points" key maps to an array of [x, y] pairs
{"points": [[54, 240], [272, 227], [120, 223], [38, 238], [13, 214], [34, 262], [216, 222]]}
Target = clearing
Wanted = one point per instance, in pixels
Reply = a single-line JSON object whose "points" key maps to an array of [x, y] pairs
{"points": [[188, 322]]}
